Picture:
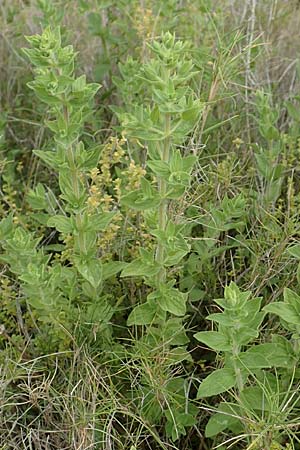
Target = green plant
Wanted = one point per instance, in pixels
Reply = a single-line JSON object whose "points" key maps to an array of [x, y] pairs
{"points": [[181, 214], [269, 168], [163, 122], [216, 230], [163, 125], [52, 288], [258, 393]]}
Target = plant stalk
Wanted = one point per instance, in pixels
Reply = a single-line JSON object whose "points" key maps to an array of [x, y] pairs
{"points": [[74, 173], [163, 207], [239, 378]]}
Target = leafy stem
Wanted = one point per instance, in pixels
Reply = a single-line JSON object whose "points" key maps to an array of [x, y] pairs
{"points": [[163, 207], [239, 379]]}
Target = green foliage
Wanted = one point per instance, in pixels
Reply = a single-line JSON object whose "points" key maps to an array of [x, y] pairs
{"points": [[165, 123], [52, 288], [288, 311], [238, 325], [126, 210]]}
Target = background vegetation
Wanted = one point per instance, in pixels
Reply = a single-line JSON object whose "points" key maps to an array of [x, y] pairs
{"points": [[150, 199]]}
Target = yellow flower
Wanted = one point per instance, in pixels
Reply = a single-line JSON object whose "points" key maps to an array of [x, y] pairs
{"points": [[93, 202], [94, 173], [238, 142]]}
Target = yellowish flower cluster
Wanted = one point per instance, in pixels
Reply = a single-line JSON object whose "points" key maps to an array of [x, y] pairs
{"points": [[238, 142], [20, 166], [105, 193], [6, 291], [10, 196], [224, 172], [133, 175], [109, 236], [69, 248], [94, 198], [144, 21], [117, 188], [10, 204], [112, 154]]}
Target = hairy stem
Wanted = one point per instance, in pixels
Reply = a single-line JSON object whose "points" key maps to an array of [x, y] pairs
{"points": [[163, 208], [238, 374], [74, 174]]}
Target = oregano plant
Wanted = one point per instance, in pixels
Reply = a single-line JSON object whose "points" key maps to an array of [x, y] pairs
{"points": [[74, 288], [163, 111], [245, 365], [163, 123]]}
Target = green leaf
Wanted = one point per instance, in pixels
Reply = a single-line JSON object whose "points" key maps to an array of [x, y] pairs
{"points": [[175, 191], [160, 168], [293, 111], [79, 84], [214, 340], [221, 380], [284, 356], [173, 332], [188, 162], [291, 298], [275, 354], [257, 357], [142, 314], [222, 319], [54, 247], [244, 334], [37, 197], [170, 300], [191, 114], [176, 423], [62, 223], [99, 222], [98, 312], [234, 297], [179, 354], [138, 268], [137, 200], [91, 270], [6, 227], [49, 158], [111, 268], [76, 199], [284, 311], [256, 398], [223, 419], [91, 158]]}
